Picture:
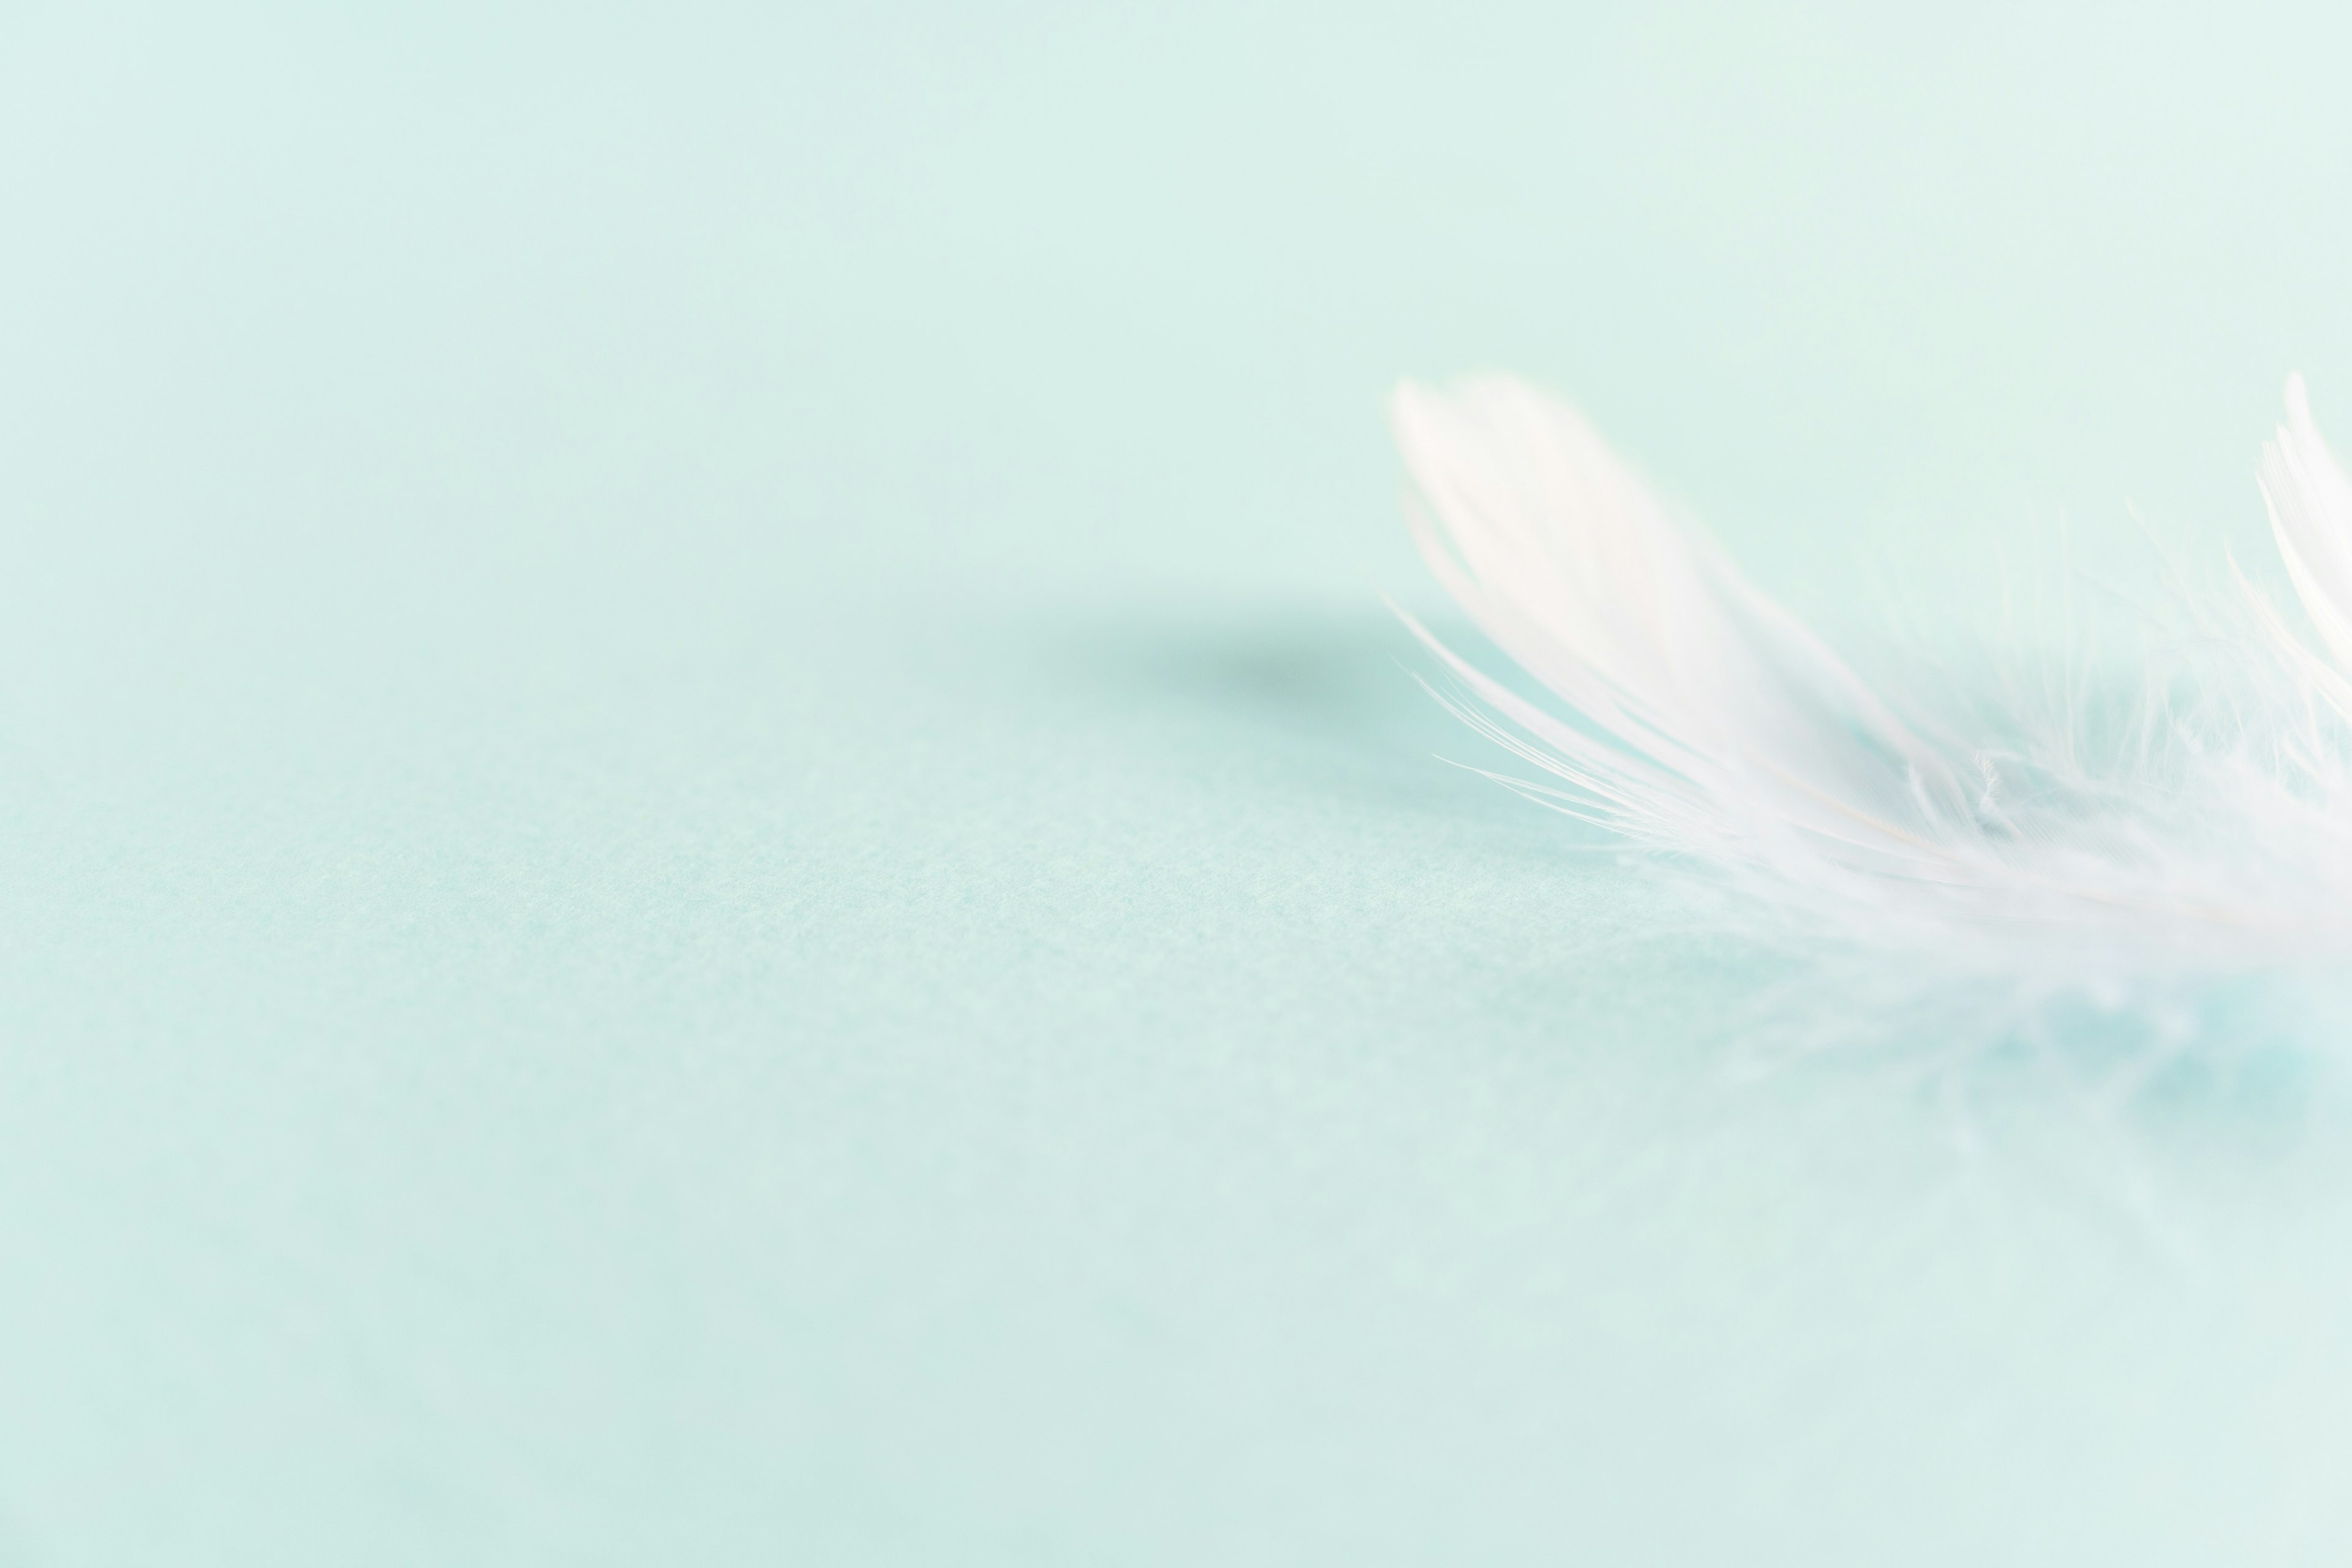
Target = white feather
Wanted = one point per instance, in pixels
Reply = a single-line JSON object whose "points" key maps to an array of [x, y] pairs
{"points": [[2310, 503], [2210, 831]]}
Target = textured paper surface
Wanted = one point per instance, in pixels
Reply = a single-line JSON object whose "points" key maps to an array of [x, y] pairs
{"points": [[713, 851]]}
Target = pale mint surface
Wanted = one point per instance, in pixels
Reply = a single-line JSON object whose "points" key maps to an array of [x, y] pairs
{"points": [[713, 851]]}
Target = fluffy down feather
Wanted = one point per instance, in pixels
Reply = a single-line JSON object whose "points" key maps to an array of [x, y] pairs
{"points": [[2199, 825]]}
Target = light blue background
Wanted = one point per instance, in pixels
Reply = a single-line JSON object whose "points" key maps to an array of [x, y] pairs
{"points": [[713, 851]]}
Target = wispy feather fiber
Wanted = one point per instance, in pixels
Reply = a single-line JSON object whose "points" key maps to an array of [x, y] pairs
{"points": [[2198, 827]]}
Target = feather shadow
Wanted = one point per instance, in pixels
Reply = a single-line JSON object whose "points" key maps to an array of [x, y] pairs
{"points": [[1316, 701]]}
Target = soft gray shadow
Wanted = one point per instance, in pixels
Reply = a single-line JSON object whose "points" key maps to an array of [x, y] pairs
{"points": [[1330, 700]]}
